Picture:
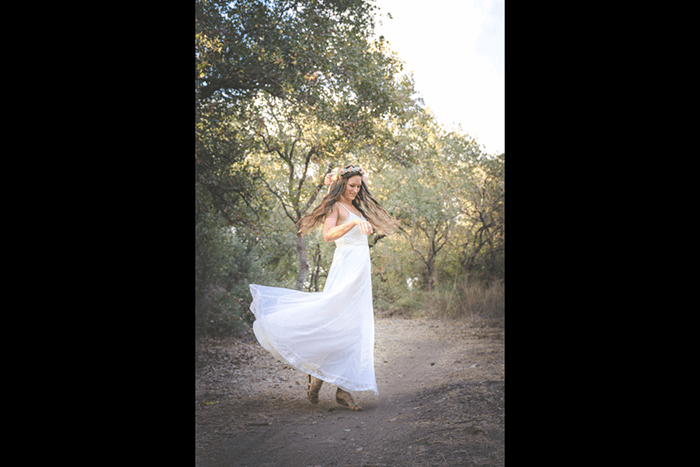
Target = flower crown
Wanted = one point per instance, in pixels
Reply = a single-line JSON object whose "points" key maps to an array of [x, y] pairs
{"points": [[342, 171]]}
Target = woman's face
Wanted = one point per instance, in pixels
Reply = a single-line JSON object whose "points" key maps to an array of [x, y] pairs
{"points": [[352, 187]]}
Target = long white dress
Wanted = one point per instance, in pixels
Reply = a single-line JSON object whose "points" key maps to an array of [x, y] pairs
{"points": [[328, 334]]}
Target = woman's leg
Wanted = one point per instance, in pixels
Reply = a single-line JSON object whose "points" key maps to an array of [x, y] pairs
{"points": [[343, 397], [313, 386]]}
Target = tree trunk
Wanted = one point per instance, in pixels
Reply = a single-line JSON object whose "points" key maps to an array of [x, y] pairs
{"points": [[431, 272], [303, 263], [317, 260]]}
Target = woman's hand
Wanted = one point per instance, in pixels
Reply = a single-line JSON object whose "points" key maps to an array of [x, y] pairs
{"points": [[365, 227]]}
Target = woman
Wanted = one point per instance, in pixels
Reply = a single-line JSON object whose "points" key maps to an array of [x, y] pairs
{"points": [[330, 334]]}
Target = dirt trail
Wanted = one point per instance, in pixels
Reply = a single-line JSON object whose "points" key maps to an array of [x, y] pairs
{"points": [[441, 402]]}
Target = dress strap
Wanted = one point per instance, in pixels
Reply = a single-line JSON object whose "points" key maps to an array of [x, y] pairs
{"points": [[345, 208]]}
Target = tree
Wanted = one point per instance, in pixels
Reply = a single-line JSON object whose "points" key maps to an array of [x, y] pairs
{"points": [[287, 158], [484, 197], [285, 90], [247, 46], [426, 212], [283, 48], [302, 136], [311, 69], [297, 148], [448, 200]]}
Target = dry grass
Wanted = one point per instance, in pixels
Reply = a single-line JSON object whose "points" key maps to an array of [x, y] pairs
{"points": [[472, 300]]}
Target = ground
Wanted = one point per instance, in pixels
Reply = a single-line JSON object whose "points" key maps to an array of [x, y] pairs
{"points": [[441, 402]]}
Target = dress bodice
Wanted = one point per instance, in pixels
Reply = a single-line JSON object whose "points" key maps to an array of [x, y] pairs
{"points": [[355, 235]]}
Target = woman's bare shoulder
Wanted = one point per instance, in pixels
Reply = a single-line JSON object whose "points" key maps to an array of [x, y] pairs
{"points": [[334, 210]]}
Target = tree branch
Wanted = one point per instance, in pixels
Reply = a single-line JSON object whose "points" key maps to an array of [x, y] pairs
{"points": [[284, 206], [319, 186], [306, 167]]}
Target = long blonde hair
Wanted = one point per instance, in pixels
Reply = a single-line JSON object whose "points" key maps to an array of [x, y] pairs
{"points": [[370, 208]]}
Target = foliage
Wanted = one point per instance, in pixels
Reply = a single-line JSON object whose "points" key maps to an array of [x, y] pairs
{"points": [[222, 266], [286, 90], [247, 46]]}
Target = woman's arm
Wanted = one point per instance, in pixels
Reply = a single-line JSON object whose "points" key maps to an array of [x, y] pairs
{"points": [[332, 232]]}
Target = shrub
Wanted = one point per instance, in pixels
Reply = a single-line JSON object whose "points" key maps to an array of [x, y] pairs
{"points": [[221, 313], [406, 306], [223, 269]]}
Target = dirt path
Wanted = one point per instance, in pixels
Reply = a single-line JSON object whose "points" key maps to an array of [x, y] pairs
{"points": [[441, 402]]}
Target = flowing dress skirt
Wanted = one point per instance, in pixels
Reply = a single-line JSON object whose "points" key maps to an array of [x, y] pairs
{"points": [[328, 334]]}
